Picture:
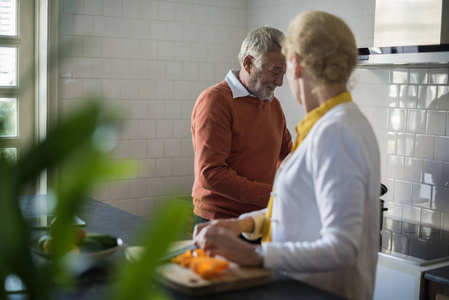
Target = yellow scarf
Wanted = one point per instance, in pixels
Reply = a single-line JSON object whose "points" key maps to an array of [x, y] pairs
{"points": [[302, 129]]}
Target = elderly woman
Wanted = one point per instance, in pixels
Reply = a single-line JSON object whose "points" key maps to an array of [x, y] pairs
{"points": [[322, 222]]}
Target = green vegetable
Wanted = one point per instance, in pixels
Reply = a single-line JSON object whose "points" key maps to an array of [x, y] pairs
{"points": [[105, 240], [90, 245]]}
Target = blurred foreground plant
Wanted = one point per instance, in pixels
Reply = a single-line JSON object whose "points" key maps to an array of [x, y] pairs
{"points": [[80, 144]]}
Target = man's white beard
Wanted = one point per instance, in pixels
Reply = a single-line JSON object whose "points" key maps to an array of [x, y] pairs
{"points": [[256, 88]]}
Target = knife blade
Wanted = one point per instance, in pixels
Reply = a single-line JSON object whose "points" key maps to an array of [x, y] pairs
{"points": [[175, 251]]}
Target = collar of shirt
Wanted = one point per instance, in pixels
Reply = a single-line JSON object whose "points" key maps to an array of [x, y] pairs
{"points": [[303, 128], [237, 88]]}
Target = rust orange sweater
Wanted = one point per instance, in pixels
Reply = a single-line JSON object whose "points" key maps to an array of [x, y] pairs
{"points": [[238, 144]]}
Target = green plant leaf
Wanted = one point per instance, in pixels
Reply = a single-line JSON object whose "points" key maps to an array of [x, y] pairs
{"points": [[62, 141], [138, 277], [76, 142], [78, 148], [15, 257], [74, 183]]}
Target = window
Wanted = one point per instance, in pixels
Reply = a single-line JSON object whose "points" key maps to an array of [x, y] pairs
{"points": [[17, 77]]}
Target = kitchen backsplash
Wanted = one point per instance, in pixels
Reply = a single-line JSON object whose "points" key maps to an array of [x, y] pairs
{"points": [[409, 111], [151, 59], [408, 108]]}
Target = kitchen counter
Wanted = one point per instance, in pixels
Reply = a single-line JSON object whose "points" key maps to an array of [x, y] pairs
{"points": [[409, 252], [285, 290], [440, 275], [94, 284], [437, 282]]}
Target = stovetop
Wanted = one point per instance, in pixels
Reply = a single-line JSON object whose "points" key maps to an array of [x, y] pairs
{"points": [[418, 244]]}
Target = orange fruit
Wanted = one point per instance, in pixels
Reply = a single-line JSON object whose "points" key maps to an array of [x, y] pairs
{"points": [[200, 263], [78, 235], [48, 245], [207, 266]]}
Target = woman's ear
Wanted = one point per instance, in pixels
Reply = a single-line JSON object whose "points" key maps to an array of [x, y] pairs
{"points": [[297, 66], [294, 67]]}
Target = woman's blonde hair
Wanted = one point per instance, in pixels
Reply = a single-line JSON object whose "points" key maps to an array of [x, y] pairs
{"points": [[324, 44]]}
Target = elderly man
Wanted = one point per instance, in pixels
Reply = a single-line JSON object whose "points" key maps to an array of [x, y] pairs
{"points": [[239, 132]]}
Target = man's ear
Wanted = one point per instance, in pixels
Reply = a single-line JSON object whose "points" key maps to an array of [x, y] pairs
{"points": [[248, 63]]}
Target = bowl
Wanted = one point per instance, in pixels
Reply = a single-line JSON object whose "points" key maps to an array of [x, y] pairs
{"points": [[94, 246]]}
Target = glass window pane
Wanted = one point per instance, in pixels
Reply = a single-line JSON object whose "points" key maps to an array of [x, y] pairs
{"points": [[8, 66], [8, 117], [10, 155], [8, 17]]}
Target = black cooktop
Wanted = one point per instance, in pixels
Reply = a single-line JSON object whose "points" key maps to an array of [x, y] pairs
{"points": [[413, 242]]}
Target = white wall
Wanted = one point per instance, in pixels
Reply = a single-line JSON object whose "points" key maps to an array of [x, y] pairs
{"points": [[153, 58], [407, 107]]}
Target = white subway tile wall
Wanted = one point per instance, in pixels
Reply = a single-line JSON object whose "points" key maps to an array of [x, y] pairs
{"points": [[415, 144], [149, 60]]}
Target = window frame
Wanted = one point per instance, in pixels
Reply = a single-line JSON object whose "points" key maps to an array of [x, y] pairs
{"points": [[38, 52], [24, 42]]}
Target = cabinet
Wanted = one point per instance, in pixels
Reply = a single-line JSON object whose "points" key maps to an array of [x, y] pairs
{"points": [[437, 283], [394, 282], [400, 279]]}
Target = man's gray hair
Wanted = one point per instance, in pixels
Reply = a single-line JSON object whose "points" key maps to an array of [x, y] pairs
{"points": [[259, 42]]}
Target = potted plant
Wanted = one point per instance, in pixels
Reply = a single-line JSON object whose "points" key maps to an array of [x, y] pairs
{"points": [[76, 149]]}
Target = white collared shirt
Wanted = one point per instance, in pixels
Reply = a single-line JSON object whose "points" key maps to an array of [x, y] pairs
{"points": [[237, 88]]}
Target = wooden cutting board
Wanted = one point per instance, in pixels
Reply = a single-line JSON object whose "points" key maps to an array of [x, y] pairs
{"points": [[186, 281]]}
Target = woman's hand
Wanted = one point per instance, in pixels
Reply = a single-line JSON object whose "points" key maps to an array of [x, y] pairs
{"points": [[231, 224], [221, 238]]}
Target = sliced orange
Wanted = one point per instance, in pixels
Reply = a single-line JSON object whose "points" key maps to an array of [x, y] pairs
{"points": [[207, 266], [183, 259], [200, 263], [199, 253]]}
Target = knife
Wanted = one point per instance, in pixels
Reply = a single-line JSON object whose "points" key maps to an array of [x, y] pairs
{"points": [[177, 250]]}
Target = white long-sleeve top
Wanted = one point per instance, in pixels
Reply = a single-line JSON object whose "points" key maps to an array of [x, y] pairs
{"points": [[325, 219]]}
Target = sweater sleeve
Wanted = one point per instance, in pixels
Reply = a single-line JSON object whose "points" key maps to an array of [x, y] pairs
{"points": [[212, 139]]}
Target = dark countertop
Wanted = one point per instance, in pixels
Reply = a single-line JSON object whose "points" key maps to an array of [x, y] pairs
{"points": [[285, 290], [99, 217], [437, 282], [440, 275], [94, 284]]}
